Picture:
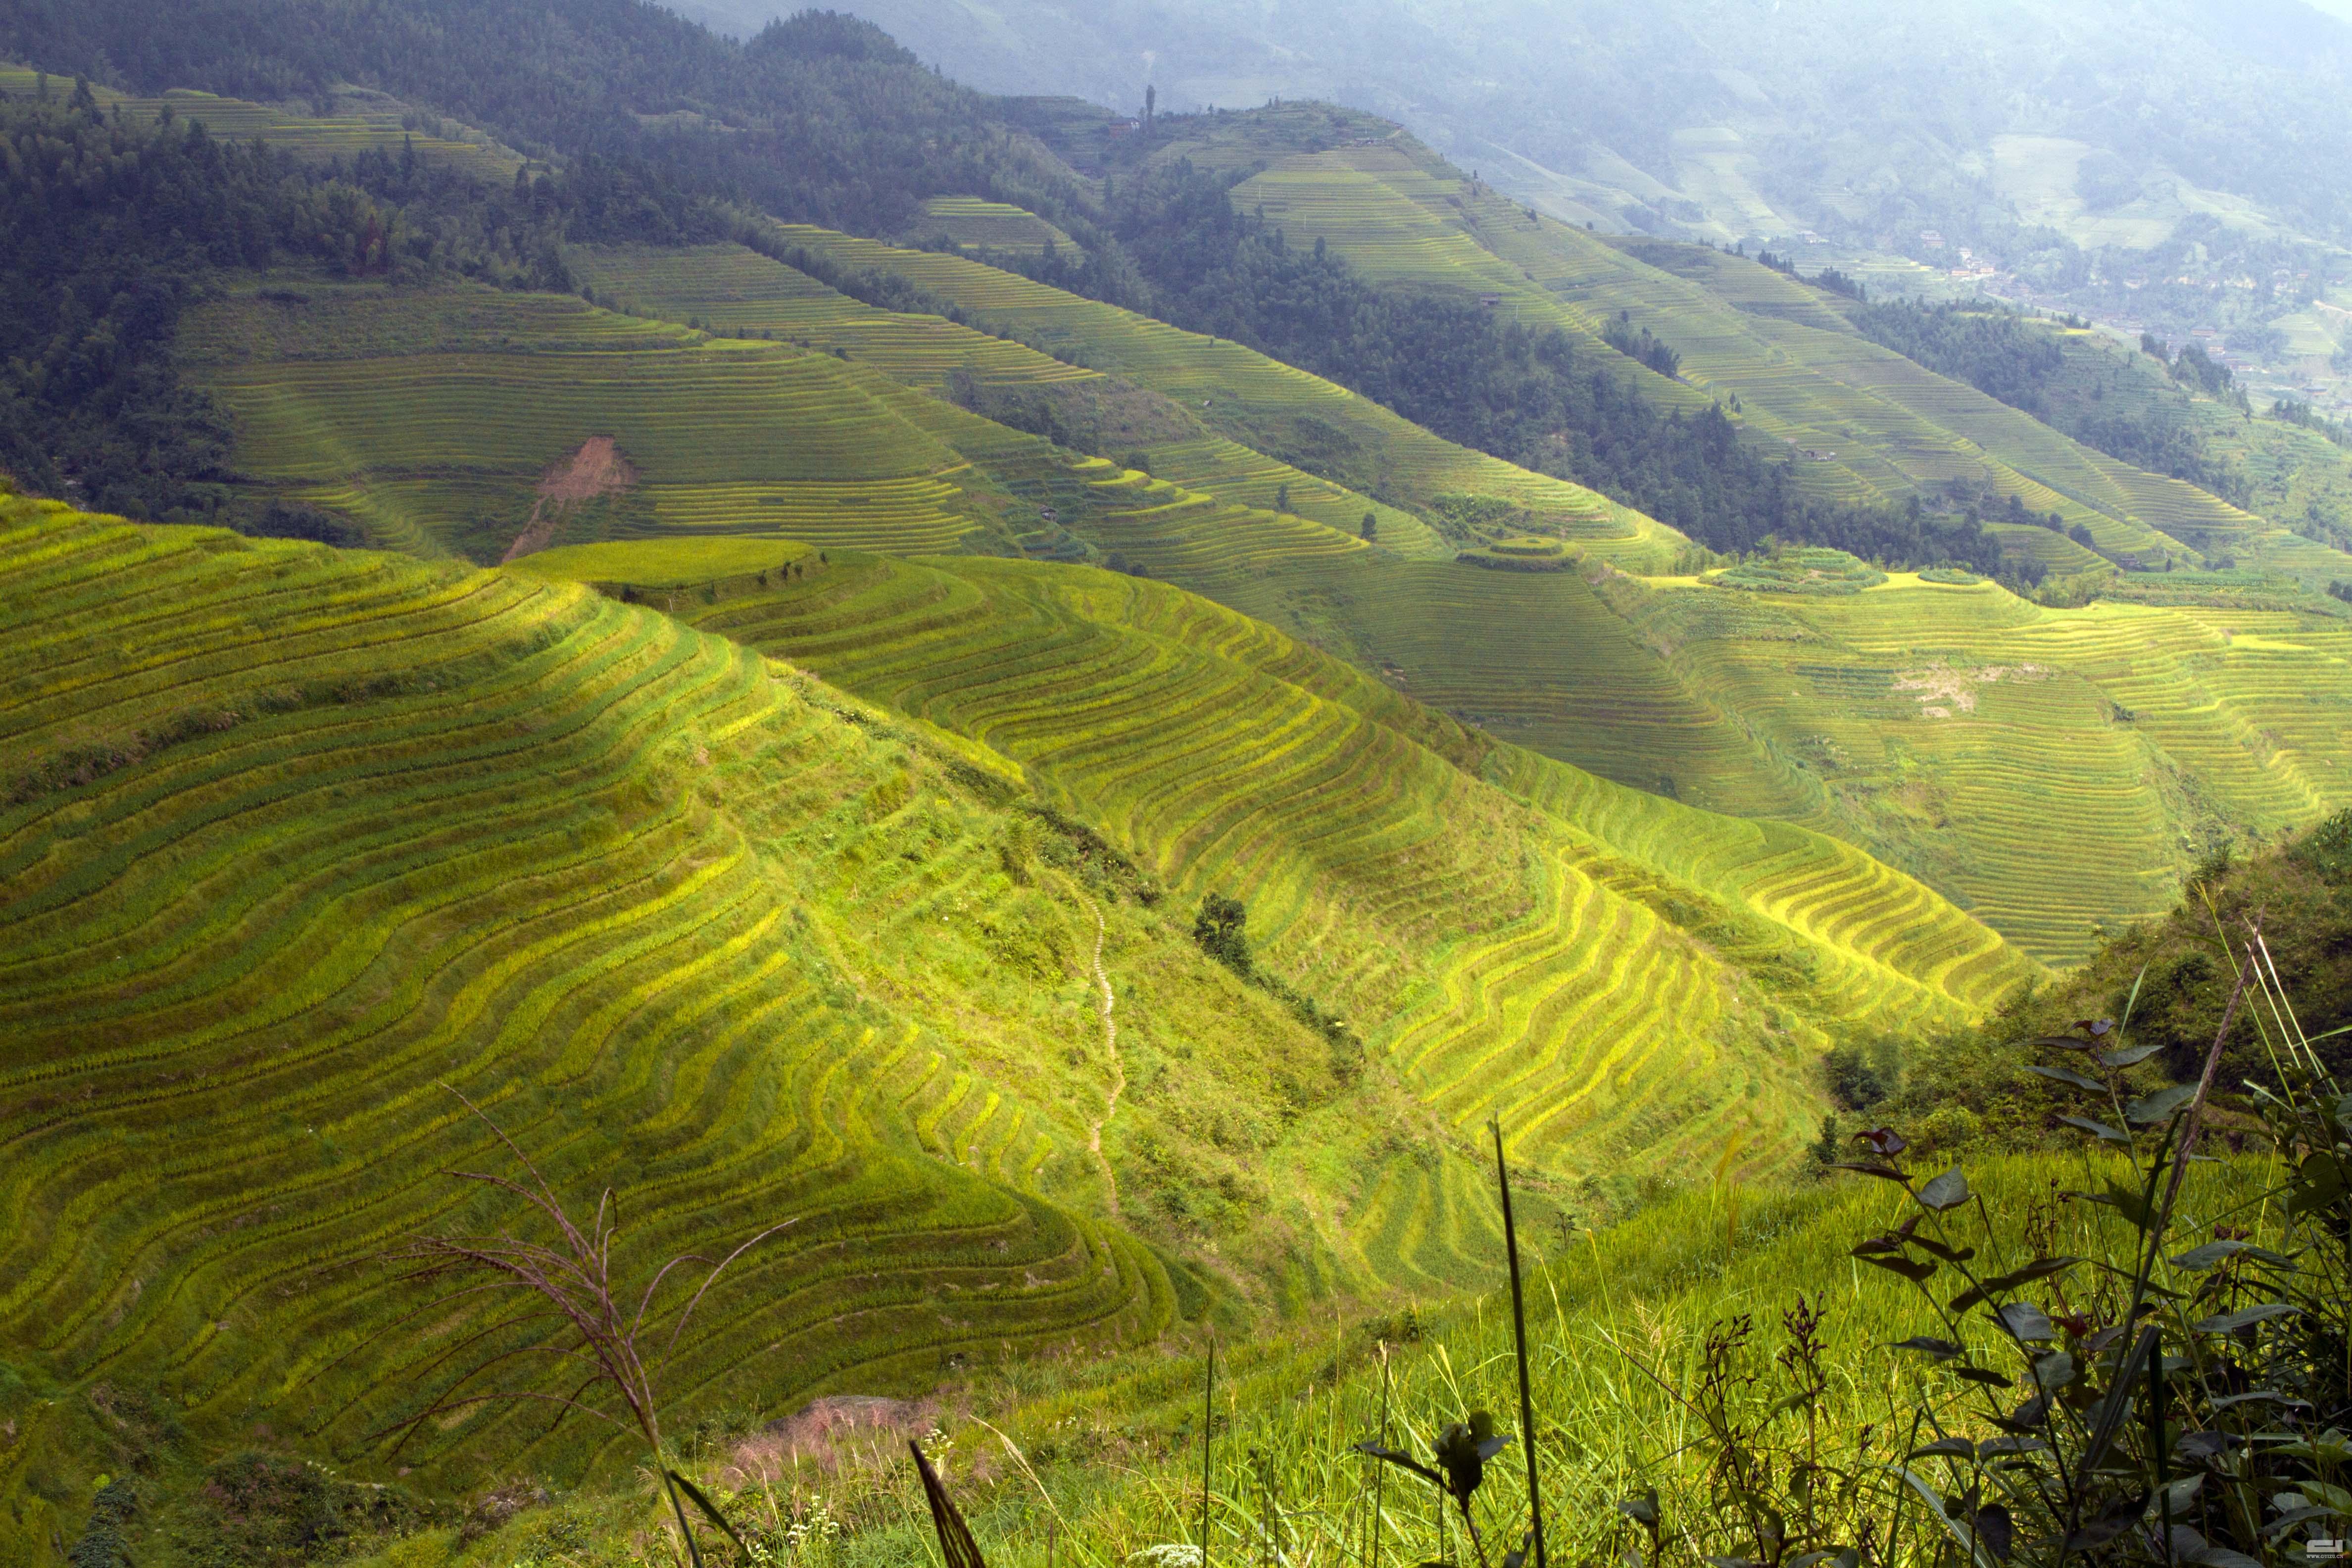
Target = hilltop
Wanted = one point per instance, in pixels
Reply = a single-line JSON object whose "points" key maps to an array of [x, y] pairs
{"points": [[2136, 162]]}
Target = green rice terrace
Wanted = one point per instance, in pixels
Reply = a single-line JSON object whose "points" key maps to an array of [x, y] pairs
{"points": [[689, 920], [397, 408], [1863, 421], [736, 796]]}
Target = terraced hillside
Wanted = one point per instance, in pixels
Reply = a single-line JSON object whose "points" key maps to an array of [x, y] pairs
{"points": [[438, 418], [1518, 938], [352, 121], [294, 837], [733, 290], [2035, 763], [2299, 482], [977, 223], [485, 423], [1565, 662], [1257, 401], [1802, 376]]}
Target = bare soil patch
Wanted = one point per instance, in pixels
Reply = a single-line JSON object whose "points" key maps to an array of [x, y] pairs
{"points": [[595, 470]]}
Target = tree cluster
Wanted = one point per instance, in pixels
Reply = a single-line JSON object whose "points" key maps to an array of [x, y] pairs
{"points": [[2004, 356], [819, 117]]}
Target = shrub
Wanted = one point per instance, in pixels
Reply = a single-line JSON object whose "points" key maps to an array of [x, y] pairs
{"points": [[1219, 928]]}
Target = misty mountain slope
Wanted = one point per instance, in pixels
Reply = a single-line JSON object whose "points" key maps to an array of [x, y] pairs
{"points": [[2185, 161]]}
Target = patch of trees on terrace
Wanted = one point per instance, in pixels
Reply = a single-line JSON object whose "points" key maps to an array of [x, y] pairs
{"points": [[819, 117], [111, 228], [2004, 356]]}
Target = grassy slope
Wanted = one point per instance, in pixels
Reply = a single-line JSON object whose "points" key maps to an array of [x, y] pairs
{"points": [[978, 224], [2039, 765], [432, 416], [1758, 707], [1801, 373], [354, 121], [1260, 403], [2298, 474], [1769, 707], [736, 291], [1109, 1456]]}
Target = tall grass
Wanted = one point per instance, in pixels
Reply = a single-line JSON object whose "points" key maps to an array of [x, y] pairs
{"points": [[1103, 1461]]}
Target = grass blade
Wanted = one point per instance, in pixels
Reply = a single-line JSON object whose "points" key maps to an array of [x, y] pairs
{"points": [[1519, 1342]]}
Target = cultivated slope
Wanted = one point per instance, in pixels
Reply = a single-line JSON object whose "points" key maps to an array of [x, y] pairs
{"points": [[1768, 706], [1618, 978], [293, 837], [1803, 378]]}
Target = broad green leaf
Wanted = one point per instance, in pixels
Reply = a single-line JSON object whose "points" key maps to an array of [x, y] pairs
{"points": [[2064, 1075], [1956, 1447], [2131, 1055], [2123, 1200], [1949, 1191], [1995, 1531], [2025, 1320], [2099, 1130], [2222, 1557], [2054, 1371], [1842, 1557], [2159, 1105], [1942, 1349], [2244, 1317], [2209, 1256], [2040, 1268], [1912, 1268]]}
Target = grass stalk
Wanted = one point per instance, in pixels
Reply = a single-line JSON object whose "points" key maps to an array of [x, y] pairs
{"points": [[1520, 1344]]}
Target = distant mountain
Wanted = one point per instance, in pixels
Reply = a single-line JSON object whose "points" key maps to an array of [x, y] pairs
{"points": [[2184, 162]]}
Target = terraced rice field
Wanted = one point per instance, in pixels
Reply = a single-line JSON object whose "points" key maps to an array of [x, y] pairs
{"points": [[2044, 767], [1258, 402], [979, 223], [361, 121], [434, 418], [425, 435], [1802, 376], [1501, 942], [295, 837], [729, 289]]}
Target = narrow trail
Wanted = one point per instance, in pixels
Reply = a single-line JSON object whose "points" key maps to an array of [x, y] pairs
{"points": [[1118, 1072]]}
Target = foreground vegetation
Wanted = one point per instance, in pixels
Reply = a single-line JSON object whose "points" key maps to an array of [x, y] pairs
{"points": [[1743, 1376]]}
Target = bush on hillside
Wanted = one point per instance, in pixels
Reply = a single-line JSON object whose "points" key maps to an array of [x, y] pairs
{"points": [[1219, 928], [2171, 979]]}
